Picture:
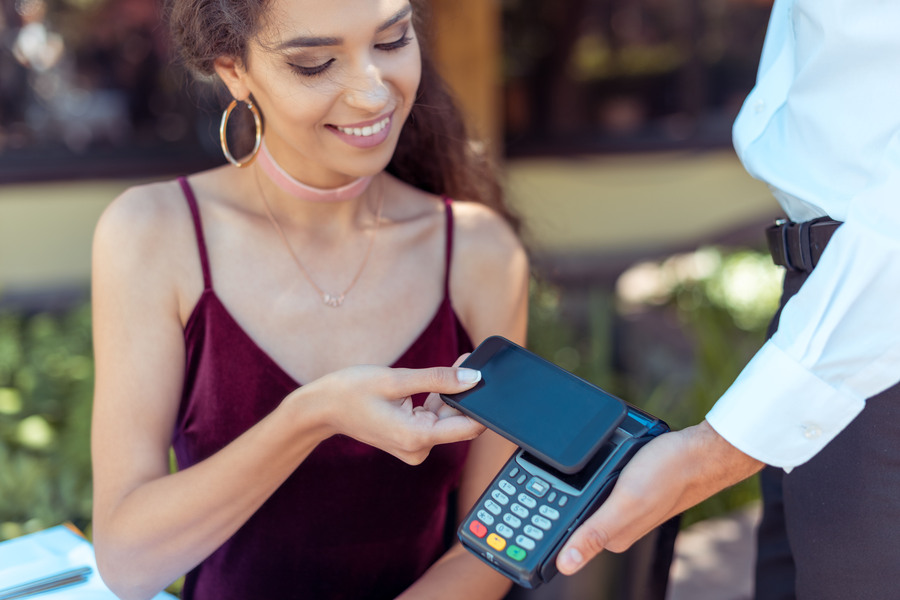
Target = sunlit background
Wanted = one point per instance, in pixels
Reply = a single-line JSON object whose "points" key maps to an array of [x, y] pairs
{"points": [[611, 120]]}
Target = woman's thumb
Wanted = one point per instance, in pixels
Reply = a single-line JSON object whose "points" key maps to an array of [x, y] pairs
{"points": [[443, 380]]}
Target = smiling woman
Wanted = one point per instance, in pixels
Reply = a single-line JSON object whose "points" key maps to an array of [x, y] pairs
{"points": [[286, 335]]}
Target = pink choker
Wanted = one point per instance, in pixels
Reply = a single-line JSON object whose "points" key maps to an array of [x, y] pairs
{"points": [[305, 192]]}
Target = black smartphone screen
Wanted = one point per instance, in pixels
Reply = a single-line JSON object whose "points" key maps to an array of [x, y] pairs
{"points": [[555, 415]]}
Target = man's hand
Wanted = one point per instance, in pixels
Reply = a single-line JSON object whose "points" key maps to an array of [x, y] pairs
{"points": [[667, 476]]}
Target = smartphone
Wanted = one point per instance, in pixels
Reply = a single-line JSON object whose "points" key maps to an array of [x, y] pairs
{"points": [[556, 416], [530, 510]]}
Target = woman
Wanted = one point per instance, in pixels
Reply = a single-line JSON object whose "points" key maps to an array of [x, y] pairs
{"points": [[326, 249]]}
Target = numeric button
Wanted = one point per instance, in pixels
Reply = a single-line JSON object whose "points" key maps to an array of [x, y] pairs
{"points": [[550, 513], [493, 507], [541, 522], [527, 501], [511, 520], [504, 530]]}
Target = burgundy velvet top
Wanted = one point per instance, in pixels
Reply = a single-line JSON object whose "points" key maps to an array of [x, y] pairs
{"points": [[352, 521]]}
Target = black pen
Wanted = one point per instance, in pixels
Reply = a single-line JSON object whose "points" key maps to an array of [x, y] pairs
{"points": [[45, 584]]}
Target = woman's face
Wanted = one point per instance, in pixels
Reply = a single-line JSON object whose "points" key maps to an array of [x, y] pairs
{"points": [[335, 80]]}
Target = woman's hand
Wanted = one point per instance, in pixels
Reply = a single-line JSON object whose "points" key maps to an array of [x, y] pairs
{"points": [[374, 405]]}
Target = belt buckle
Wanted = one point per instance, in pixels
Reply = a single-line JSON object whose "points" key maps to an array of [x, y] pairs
{"points": [[806, 246], [785, 245]]}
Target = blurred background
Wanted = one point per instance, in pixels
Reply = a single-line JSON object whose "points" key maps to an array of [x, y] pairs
{"points": [[611, 120]]}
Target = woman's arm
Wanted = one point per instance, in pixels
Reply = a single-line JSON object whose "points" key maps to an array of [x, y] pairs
{"points": [[150, 526], [489, 287]]}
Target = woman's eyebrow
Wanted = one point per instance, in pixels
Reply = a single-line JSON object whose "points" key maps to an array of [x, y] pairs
{"points": [[317, 41], [400, 14]]}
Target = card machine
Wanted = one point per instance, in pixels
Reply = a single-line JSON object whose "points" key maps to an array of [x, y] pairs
{"points": [[524, 517]]}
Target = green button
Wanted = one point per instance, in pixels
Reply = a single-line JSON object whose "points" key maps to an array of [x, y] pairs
{"points": [[515, 553]]}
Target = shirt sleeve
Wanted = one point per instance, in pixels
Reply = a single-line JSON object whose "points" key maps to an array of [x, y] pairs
{"points": [[838, 341], [822, 128]]}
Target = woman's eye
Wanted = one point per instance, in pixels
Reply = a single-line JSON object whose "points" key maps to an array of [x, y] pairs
{"points": [[397, 44], [403, 41], [312, 71]]}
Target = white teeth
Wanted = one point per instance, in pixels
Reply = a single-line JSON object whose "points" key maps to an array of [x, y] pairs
{"points": [[367, 130]]}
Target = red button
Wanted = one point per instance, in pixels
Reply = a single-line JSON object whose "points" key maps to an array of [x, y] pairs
{"points": [[478, 529]]}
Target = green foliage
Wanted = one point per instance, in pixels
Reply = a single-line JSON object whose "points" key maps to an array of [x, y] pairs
{"points": [[719, 299], [579, 343], [723, 301], [46, 386], [726, 315]]}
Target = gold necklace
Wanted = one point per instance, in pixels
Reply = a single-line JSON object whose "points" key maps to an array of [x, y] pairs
{"points": [[332, 300]]}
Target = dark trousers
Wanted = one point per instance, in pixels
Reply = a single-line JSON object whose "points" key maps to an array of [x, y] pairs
{"points": [[831, 527]]}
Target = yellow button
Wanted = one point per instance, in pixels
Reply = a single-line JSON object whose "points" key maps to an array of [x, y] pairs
{"points": [[496, 542]]}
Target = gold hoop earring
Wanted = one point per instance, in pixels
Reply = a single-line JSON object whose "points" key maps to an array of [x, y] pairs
{"points": [[224, 126]]}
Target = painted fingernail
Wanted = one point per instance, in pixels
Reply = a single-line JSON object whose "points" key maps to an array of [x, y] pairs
{"points": [[468, 375]]}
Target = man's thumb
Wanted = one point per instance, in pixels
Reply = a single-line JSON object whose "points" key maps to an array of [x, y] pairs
{"points": [[587, 541]]}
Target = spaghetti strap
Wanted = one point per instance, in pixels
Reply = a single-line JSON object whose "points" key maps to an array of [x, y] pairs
{"points": [[198, 229], [448, 208]]}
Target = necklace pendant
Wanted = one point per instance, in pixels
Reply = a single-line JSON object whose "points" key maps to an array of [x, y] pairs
{"points": [[333, 301]]}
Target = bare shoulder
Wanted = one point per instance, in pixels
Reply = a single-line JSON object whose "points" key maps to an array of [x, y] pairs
{"points": [[141, 241], [490, 274], [484, 239], [140, 215]]}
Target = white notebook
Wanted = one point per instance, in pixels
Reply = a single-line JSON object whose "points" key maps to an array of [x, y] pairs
{"points": [[49, 552]]}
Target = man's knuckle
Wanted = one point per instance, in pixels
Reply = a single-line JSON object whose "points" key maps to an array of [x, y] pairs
{"points": [[596, 539], [618, 546]]}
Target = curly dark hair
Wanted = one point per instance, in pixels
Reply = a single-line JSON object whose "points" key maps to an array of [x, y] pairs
{"points": [[436, 151]]}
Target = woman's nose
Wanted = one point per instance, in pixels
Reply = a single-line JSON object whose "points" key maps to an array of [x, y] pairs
{"points": [[368, 91]]}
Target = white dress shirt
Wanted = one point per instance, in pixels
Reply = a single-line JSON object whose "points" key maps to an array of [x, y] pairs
{"points": [[822, 129]]}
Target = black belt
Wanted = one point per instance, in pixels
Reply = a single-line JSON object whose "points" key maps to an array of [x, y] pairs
{"points": [[798, 246]]}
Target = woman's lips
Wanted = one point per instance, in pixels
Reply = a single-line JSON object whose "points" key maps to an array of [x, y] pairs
{"points": [[364, 135]]}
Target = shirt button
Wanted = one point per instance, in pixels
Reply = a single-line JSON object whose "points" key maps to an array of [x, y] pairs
{"points": [[811, 431], [759, 106]]}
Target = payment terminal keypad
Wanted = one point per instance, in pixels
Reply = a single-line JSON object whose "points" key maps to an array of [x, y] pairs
{"points": [[517, 514], [523, 519]]}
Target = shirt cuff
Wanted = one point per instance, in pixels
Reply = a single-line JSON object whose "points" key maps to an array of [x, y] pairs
{"points": [[780, 413]]}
